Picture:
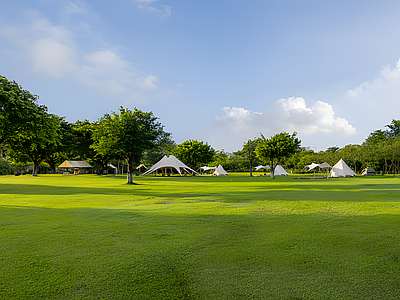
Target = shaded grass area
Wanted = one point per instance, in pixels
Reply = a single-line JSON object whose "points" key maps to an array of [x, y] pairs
{"points": [[89, 237]]}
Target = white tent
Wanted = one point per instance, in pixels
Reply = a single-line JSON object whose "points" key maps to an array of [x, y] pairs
{"points": [[312, 166], [279, 170], [262, 167], [324, 165], [220, 171], [341, 169], [170, 162]]}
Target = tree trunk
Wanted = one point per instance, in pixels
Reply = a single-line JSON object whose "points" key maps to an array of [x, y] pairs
{"points": [[272, 170], [35, 168], [128, 171], [251, 169], [129, 177]]}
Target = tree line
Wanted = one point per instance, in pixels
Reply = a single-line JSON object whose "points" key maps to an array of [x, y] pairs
{"points": [[29, 134]]}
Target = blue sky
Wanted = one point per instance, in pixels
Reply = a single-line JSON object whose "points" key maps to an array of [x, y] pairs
{"points": [[217, 71]]}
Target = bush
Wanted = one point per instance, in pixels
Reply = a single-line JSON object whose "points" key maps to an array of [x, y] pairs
{"points": [[5, 168]]}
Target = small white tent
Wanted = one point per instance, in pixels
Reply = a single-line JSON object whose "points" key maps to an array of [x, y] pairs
{"points": [[279, 170], [262, 167], [170, 162], [341, 169], [220, 171]]}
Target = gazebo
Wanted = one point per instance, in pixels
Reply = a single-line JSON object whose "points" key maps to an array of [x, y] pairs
{"points": [[76, 165]]}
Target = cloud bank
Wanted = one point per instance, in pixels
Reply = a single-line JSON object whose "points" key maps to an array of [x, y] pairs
{"points": [[50, 51], [288, 115]]}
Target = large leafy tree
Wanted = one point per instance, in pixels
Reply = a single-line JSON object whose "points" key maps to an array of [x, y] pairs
{"points": [[18, 109], [36, 140], [26, 129], [277, 147], [194, 153], [126, 135], [83, 148]]}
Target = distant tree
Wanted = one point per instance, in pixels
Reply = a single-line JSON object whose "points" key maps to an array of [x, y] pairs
{"points": [[194, 153], [163, 146], [220, 158], [333, 149], [376, 137], [249, 152], [277, 147], [127, 135], [352, 155], [64, 147], [394, 129]]}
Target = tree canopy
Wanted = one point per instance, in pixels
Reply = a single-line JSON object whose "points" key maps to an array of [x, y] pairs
{"points": [[249, 151], [127, 135], [194, 153], [277, 147]]}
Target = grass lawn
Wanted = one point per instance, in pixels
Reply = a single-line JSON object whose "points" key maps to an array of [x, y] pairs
{"points": [[233, 237]]}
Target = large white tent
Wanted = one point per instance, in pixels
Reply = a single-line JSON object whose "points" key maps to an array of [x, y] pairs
{"points": [[341, 169], [279, 170], [170, 163], [220, 171]]}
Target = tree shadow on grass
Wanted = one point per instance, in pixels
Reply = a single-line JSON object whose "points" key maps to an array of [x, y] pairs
{"points": [[123, 254]]}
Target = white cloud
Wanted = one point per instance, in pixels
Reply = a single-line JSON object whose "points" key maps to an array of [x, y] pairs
{"points": [[106, 59], [76, 7], [52, 58], [51, 51], [376, 101], [149, 82], [147, 5], [296, 116], [288, 115], [388, 79]]}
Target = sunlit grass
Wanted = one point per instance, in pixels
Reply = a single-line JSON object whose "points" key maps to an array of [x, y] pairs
{"points": [[232, 237]]}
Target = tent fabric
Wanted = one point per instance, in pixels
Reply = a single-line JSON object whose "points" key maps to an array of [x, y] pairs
{"points": [[141, 165], [325, 165], [170, 162], [74, 164], [220, 171], [279, 170], [312, 166], [262, 167], [341, 169], [205, 168], [368, 171]]}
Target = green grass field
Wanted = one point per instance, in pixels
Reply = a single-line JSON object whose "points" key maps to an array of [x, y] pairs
{"points": [[233, 237]]}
